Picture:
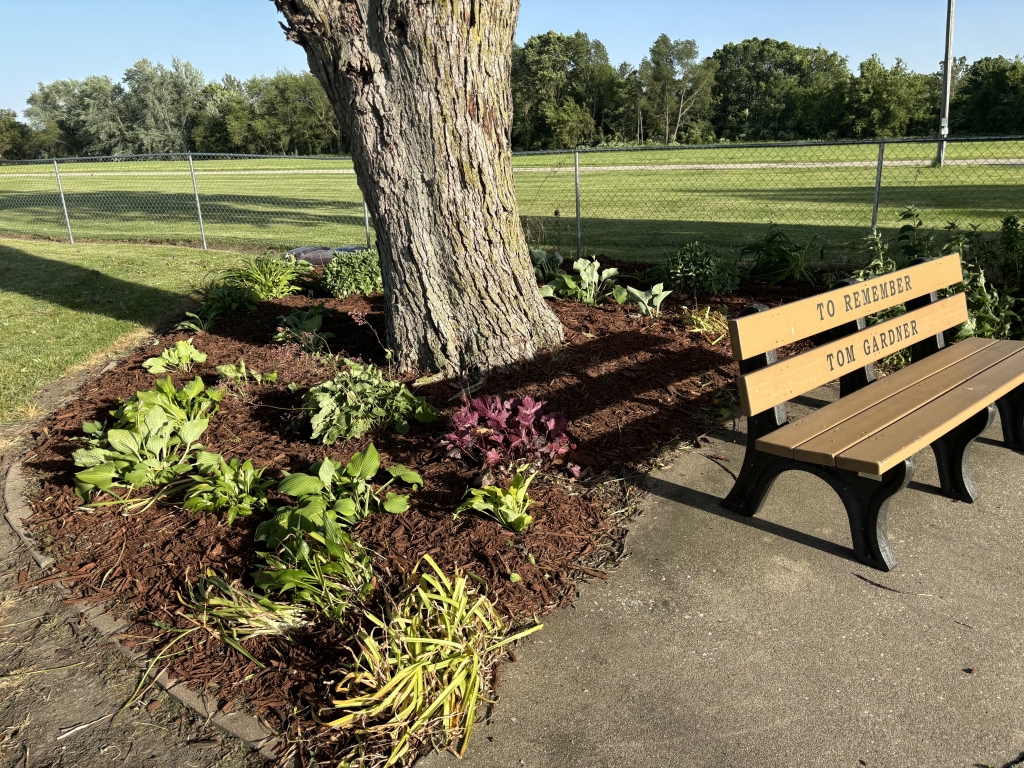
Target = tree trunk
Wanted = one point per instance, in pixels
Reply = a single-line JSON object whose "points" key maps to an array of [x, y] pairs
{"points": [[424, 88]]}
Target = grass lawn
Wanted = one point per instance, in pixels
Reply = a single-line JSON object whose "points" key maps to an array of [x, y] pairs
{"points": [[62, 304], [636, 205]]}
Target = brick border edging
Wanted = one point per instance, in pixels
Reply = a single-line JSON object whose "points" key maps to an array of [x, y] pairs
{"points": [[242, 726]]}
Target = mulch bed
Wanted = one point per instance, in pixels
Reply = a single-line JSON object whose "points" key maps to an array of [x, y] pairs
{"points": [[627, 385]]}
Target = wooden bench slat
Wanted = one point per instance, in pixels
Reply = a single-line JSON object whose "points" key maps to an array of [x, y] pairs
{"points": [[783, 442], [801, 373], [825, 448], [790, 323], [883, 450]]}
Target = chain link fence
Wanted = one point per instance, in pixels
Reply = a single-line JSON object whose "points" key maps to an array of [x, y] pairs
{"points": [[632, 204]]}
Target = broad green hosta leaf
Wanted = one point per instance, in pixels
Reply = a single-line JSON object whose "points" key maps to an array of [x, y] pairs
{"points": [[364, 464], [123, 441], [396, 504], [190, 431], [406, 475], [299, 485]]}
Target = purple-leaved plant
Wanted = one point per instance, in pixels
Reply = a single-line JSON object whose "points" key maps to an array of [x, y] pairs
{"points": [[504, 432]]}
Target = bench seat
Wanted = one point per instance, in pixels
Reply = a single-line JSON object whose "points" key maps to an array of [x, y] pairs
{"points": [[877, 427]]}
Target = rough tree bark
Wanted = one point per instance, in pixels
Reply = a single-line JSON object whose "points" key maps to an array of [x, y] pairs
{"points": [[424, 87]]}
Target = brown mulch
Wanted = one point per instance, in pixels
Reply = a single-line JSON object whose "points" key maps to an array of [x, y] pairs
{"points": [[627, 385]]}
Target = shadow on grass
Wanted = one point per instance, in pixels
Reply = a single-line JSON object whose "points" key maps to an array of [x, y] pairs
{"points": [[82, 289]]}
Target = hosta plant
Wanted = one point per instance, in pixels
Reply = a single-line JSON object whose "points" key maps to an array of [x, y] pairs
{"points": [[589, 285], [422, 668], [508, 507], [155, 451], [360, 398], [179, 357], [233, 487], [343, 493], [192, 401], [198, 322], [222, 298], [501, 432], [303, 327], [649, 302], [546, 266]]}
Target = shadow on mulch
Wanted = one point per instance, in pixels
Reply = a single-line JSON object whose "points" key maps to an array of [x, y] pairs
{"points": [[627, 385]]}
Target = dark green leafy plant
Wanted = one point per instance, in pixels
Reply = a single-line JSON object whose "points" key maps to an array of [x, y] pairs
{"points": [[223, 298], [352, 272], [302, 327], [912, 242], [234, 487], [508, 507], [778, 259], [990, 315], [179, 357], [359, 399], [698, 269]]}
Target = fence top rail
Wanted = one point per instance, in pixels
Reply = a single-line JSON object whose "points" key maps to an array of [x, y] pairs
{"points": [[172, 156], [182, 156], [771, 144]]}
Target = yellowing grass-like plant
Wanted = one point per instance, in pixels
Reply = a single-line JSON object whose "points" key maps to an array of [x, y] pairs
{"points": [[421, 671]]}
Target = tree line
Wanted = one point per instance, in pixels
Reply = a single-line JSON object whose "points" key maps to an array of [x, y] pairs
{"points": [[565, 94]]}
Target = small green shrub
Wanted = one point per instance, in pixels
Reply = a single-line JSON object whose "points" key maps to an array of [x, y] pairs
{"points": [[508, 507], [179, 357], [352, 272], [702, 271], [302, 327], [197, 322], [359, 399]]}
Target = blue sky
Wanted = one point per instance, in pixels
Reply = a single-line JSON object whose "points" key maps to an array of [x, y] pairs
{"points": [[44, 40]]}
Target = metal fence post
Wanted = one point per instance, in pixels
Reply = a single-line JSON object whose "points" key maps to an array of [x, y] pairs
{"points": [[199, 210], [579, 232], [63, 203], [366, 223], [878, 185]]}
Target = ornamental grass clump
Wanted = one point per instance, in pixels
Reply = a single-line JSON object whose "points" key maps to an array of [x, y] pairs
{"points": [[504, 432], [421, 670]]}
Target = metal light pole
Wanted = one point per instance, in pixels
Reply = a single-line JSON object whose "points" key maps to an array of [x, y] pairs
{"points": [[947, 85]]}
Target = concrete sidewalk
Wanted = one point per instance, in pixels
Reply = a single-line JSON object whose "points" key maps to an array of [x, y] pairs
{"points": [[727, 641]]}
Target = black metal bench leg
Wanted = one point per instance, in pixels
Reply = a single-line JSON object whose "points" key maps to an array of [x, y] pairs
{"points": [[952, 453], [1011, 417], [756, 478], [867, 503]]}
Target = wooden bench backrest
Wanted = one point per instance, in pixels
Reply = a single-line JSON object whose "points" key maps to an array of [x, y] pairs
{"points": [[763, 332]]}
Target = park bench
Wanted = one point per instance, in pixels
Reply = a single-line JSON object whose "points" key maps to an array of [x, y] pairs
{"points": [[863, 443]]}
